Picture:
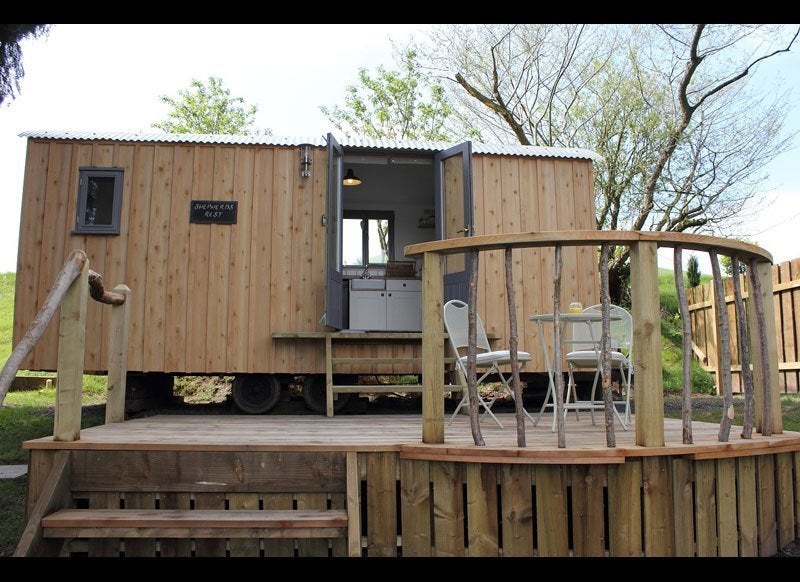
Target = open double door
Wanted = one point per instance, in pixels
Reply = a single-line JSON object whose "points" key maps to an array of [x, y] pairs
{"points": [[452, 188]]}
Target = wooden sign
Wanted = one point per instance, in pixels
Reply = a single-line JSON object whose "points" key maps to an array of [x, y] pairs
{"points": [[213, 211]]}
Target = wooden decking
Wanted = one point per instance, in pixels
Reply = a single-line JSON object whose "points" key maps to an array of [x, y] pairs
{"points": [[401, 433]]}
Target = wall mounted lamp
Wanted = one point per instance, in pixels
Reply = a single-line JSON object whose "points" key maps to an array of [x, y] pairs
{"points": [[305, 160], [350, 179]]}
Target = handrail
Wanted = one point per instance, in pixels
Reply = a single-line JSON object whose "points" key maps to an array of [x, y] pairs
{"points": [[548, 238], [74, 284], [646, 314], [98, 292], [69, 272]]}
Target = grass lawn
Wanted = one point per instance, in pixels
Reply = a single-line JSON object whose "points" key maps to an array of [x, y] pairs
{"points": [[12, 513], [25, 416]]}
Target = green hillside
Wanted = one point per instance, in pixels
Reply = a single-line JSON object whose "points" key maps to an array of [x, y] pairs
{"points": [[672, 339], [6, 313]]}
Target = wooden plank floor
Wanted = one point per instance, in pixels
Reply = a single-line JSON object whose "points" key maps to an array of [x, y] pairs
{"points": [[403, 433]]}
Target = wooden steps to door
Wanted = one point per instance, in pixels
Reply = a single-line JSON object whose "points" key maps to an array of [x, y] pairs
{"points": [[230, 503]]}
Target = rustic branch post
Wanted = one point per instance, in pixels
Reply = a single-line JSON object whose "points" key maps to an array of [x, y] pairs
{"points": [[744, 350], [723, 350], [519, 411], [472, 367], [686, 326], [71, 349], [559, 379], [68, 273], [432, 349], [118, 356], [605, 347]]}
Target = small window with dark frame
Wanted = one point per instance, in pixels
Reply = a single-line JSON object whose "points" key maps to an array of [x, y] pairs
{"points": [[99, 200]]}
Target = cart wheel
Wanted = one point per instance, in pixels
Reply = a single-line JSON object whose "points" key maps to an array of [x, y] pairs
{"points": [[314, 395], [256, 393]]}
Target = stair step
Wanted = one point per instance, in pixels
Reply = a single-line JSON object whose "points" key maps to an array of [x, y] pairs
{"points": [[168, 523]]}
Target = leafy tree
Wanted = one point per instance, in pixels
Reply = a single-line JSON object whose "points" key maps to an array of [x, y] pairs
{"points": [[693, 271], [208, 108], [11, 69], [727, 266], [399, 104], [683, 135]]}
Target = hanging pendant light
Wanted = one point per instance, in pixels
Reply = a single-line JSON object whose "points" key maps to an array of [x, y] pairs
{"points": [[350, 179]]}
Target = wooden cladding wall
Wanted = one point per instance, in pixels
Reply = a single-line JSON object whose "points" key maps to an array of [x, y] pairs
{"points": [[529, 194], [786, 296], [207, 297]]}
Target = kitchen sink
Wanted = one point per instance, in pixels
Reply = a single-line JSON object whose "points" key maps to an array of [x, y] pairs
{"points": [[365, 284]]}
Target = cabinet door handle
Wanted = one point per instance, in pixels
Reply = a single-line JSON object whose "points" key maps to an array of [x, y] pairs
{"points": [[381, 294], [390, 294]]}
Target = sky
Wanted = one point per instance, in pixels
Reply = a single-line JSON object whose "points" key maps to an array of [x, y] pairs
{"points": [[110, 77]]}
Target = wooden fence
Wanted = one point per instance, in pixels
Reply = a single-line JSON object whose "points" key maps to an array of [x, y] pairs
{"points": [[786, 296]]}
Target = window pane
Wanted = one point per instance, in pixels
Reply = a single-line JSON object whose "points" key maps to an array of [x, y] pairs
{"points": [[378, 240], [99, 201], [351, 241]]}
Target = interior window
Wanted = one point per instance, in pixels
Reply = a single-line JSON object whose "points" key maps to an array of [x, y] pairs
{"points": [[367, 237]]}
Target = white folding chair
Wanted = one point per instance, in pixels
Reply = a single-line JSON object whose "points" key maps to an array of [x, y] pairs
{"points": [[586, 355], [457, 326]]}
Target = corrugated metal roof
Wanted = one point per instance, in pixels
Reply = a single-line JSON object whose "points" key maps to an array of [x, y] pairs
{"points": [[158, 136], [357, 142]]}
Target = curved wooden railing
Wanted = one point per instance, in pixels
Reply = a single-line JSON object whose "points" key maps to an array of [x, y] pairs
{"points": [[73, 286], [645, 312]]}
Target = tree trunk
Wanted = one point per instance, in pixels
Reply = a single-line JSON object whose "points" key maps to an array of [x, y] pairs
{"points": [[605, 346], [744, 351], [472, 368], [519, 411], [723, 351], [559, 378], [619, 287], [686, 325], [69, 272]]}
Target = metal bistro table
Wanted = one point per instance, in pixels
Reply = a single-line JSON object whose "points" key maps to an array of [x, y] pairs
{"points": [[587, 317]]}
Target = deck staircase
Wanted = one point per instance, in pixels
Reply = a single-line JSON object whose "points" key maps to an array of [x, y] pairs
{"points": [[243, 485]]}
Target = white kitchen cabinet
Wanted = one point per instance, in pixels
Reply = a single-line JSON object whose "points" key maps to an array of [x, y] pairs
{"points": [[397, 306], [403, 311], [368, 310]]}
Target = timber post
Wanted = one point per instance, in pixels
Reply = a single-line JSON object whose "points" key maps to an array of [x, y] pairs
{"points": [[432, 349], [647, 342], [71, 349], [766, 338], [118, 357]]}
